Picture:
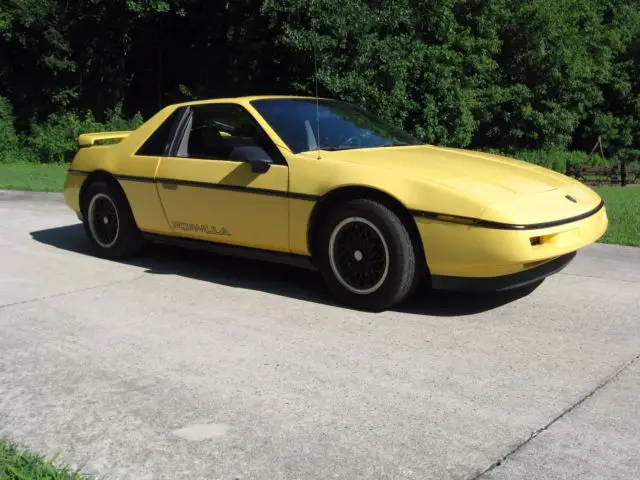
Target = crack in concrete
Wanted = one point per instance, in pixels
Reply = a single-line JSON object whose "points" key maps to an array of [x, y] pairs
{"points": [[62, 294], [565, 412], [600, 278]]}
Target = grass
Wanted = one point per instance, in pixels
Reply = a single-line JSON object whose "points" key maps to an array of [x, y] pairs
{"points": [[19, 464], [623, 209], [33, 177], [623, 204]]}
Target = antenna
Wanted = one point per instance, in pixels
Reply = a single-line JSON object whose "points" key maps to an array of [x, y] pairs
{"points": [[317, 110], [315, 74]]}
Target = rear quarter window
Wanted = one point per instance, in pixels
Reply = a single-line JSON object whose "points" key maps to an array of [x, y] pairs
{"points": [[156, 144]]}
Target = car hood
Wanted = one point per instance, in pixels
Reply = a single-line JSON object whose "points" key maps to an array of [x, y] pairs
{"points": [[507, 189]]}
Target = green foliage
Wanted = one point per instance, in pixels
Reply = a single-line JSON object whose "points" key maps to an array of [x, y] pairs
{"points": [[503, 74], [624, 215], [115, 120], [628, 155], [56, 140], [8, 137], [558, 159], [633, 171], [19, 464], [33, 177], [420, 64]]}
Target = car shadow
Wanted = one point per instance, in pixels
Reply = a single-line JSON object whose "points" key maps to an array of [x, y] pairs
{"points": [[274, 278]]}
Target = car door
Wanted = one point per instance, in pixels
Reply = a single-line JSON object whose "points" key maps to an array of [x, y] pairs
{"points": [[223, 180]]}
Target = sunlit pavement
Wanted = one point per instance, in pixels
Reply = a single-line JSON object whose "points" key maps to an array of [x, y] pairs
{"points": [[179, 365]]}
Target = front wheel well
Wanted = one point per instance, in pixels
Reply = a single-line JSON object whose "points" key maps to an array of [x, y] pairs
{"points": [[345, 194]]}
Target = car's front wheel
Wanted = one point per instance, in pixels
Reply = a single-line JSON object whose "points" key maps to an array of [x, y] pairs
{"points": [[366, 255], [109, 223]]}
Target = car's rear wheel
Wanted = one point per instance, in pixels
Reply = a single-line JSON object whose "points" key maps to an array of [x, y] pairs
{"points": [[366, 255], [109, 223]]}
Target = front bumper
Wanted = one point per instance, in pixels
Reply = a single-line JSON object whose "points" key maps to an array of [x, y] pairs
{"points": [[502, 282], [474, 252]]}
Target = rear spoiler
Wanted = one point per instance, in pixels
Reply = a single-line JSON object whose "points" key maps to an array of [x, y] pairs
{"points": [[90, 139]]}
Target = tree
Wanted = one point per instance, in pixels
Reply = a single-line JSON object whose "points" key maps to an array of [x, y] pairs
{"points": [[502, 74]]}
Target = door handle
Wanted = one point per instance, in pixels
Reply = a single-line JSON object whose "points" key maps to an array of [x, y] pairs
{"points": [[169, 185]]}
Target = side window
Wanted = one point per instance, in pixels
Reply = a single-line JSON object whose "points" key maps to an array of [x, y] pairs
{"points": [[157, 142], [219, 132]]}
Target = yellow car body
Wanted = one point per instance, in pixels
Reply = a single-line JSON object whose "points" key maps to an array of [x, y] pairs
{"points": [[482, 221]]}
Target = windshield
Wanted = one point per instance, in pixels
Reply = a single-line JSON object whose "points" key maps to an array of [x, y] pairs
{"points": [[341, 125]]}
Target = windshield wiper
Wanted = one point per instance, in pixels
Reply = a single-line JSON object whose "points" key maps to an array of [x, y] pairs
{"points": [[401, 144], [335, 149]]}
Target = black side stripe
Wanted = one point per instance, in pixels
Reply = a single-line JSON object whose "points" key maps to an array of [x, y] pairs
{"points": [[133, 178], [303, 196], [236, 188], [476, 222], [213, 186], [469, 221]]}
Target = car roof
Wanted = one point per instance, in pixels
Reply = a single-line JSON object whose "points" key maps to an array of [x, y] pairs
{"points": [[246, 99]]}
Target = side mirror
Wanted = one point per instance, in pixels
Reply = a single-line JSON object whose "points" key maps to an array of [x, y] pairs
{"points": [[256, 156], [260, 166]]}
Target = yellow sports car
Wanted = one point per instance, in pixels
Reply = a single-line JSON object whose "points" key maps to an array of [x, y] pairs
{"points": [[322, 183]]}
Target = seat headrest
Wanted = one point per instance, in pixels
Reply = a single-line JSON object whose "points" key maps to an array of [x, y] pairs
{"points": [[204, 140]]}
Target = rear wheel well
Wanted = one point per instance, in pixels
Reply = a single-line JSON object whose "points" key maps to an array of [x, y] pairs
{"points": [[345, 194], [97, 176]]}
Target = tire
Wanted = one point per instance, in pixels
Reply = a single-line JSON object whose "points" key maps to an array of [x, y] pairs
{"points": [[118, 236], [351, 244]]}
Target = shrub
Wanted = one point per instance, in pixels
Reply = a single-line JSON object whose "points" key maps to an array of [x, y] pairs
{"points": [[628, 155], [115, 121], [56, 140], [9, 146], [559, 159], [633, 171]]}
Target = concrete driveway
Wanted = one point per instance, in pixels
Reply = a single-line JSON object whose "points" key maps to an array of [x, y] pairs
{"points": [[180, 365]]}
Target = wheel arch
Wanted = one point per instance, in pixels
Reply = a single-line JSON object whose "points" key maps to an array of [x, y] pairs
{"points": [[346, 193], [95, 176]]}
